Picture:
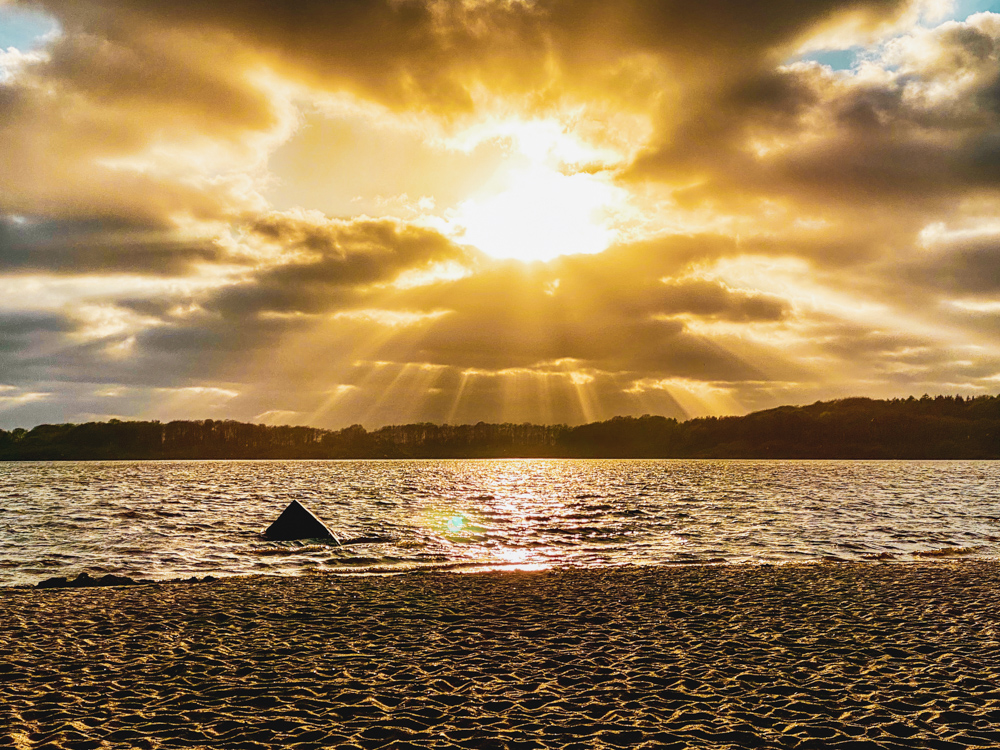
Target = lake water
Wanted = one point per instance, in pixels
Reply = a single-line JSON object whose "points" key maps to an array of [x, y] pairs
{"points": [[164, 520]]}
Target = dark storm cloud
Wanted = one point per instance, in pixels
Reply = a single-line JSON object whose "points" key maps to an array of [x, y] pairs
{"points": [[177, 81], [341, 261], [432, 51], [351, 252], [919, 138], [215, 343], [31, 343], [97, 246], [712, 299], [18, 329], [495, 342], [716, 28], [985, 323], [853, 342], [970, 267], [607, 311], [328, 266]]}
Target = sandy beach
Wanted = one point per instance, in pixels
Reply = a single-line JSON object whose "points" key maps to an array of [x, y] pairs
{"points": [[846, 656]]}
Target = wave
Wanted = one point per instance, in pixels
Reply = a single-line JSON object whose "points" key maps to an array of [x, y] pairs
{"points": [[947, 551]]}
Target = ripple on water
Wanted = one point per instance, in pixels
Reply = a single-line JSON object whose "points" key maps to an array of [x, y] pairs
{"points": [[172, 519]]}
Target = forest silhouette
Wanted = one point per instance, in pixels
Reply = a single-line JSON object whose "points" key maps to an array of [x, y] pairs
{"points": [[945, 427]]}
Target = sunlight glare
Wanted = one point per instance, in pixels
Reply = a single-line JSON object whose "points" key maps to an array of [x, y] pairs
{"points": [[541, 214]]}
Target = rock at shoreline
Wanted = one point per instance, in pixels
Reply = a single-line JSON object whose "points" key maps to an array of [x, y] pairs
{"points": [[85, 580], [296, 522]]}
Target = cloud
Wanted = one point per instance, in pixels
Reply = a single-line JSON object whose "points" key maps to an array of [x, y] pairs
{"points": [[16, 328], [969, 266], [914, 128], [332, 264], [413, 53], [504, 315], [131, 89], [98, 246], [252, 208], [599, 314], [327, 302], [30, 344], [136, 126]]}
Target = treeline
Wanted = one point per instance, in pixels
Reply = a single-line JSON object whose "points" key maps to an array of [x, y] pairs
{"points": [[941, 427]]}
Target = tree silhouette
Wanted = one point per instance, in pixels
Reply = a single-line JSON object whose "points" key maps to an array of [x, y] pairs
{"points": [[941, 427]]}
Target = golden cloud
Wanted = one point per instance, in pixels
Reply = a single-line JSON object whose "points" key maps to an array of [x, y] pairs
{"points": [[302, 206]]}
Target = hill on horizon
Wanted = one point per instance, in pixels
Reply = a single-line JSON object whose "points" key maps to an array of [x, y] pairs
{"points": [[940, 427]]}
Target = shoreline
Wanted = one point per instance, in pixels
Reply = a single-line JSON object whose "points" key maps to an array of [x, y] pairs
{"points": [[503, 457], [852, 655], [84, 580]]}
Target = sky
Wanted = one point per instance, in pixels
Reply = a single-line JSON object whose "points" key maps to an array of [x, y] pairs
{"points": [[553, 211]]}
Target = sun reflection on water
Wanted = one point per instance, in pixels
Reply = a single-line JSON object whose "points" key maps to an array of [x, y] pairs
{"points": [[176, 519], [502, 525]]}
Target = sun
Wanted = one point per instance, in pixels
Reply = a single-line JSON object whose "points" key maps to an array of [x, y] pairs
{"points": [[535, 208], [539, 215]]}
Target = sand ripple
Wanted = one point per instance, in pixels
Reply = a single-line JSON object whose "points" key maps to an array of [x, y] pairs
{"points": [[857, 656]]}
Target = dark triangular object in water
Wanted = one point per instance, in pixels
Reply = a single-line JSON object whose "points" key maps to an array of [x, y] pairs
{"points": [[295, 522]]}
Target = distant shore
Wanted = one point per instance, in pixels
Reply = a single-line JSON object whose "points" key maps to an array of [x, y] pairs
{"points": [[792, 656], [945, 427]]}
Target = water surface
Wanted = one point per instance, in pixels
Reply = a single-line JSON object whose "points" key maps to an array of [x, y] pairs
{"points": [[163, 520]]}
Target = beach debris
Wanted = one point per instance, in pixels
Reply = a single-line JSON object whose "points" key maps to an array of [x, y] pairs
{"points": [[297, 522], [85, 580]]}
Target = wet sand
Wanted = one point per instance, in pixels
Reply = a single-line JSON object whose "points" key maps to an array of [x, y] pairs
{"points": [[846, 656]]}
